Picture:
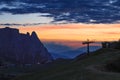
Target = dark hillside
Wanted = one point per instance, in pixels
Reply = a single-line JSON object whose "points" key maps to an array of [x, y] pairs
{"points": [[89, 68]]}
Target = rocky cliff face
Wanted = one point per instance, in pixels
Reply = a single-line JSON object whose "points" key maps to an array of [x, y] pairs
{"points": [[22, 48]]}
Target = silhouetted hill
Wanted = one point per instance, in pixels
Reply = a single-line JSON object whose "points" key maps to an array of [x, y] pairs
{"points": [[113, 65], [88, 68], [22, 48]]}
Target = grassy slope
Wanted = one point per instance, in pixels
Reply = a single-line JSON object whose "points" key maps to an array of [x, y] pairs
{"points": [[78, 70]]}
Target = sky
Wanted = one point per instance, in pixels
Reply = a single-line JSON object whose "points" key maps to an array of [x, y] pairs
{"points": [[64, 20], [76, 32]]}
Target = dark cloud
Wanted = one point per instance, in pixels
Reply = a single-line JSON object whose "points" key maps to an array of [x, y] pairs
{"points": [[86, 11], [13, 24]]}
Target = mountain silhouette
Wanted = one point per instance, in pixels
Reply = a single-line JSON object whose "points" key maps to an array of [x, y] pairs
{"points": [[22, 48]]}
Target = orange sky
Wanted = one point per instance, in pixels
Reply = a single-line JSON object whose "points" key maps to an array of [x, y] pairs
{"points": [[76, 32]]}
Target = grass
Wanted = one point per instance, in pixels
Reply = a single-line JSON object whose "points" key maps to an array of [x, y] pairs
{"points": [[76, 69]]}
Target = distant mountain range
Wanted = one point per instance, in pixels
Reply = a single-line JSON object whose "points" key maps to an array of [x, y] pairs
{"points": [[63, 51]]}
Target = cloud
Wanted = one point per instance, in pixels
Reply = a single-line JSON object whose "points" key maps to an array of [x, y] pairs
{"points": [[70, 11], [14, 24], [112, 33]]}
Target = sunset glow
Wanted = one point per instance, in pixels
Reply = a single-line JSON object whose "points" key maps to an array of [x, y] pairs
{"points": [[76, 32]]}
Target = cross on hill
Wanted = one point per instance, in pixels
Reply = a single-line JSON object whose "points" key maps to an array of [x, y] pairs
{"points": [[88, 45]]}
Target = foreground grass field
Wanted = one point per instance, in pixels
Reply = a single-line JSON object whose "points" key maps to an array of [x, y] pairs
{"points": [[89, 68]]}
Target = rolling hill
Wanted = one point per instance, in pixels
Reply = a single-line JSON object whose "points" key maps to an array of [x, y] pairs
{"points": [[89, 68]]}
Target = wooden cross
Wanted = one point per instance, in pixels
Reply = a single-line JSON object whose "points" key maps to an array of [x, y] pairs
{"points": [[88, 45]]}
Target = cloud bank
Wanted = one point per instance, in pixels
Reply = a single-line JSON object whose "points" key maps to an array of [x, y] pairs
{"points": [[69, 11]]}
